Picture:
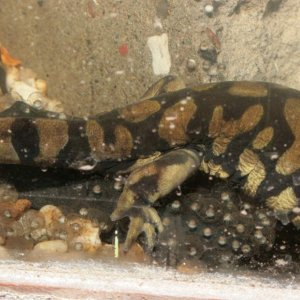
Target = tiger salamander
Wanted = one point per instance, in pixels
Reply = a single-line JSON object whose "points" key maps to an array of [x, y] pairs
{"points": [[246, 132]]}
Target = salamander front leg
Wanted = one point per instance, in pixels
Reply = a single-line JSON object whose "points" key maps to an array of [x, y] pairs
{"points": [[147, 184]]}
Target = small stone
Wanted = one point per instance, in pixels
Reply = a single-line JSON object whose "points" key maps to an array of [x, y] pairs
{"points": [[209, 10], [51, 214], [4, 253], [296, 210], [191, 64], [52, 246], [85, 232]]}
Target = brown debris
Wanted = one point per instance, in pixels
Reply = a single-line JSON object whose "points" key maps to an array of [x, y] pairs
{"points": [[7, 59], [213, 38], [13, 209]]}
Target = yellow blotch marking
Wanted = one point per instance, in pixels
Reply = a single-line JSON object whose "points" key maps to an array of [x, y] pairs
{"points": [[224, 131], [7, 151], [53, 136], [203, 87], [140, 111], [251, 166], [141, 162], [213, 169], [248, 89], [122, 147], [172, 176], [164, 85], [296, 221], [174, 122], [263, 138], [128, 196], [284, 202], [289, 162]]}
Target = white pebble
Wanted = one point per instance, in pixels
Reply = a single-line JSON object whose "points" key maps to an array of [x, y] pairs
{"points": [[52, 246]]}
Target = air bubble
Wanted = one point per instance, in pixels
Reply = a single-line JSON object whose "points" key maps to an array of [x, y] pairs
{"points": [[175, 204], [38, 104], [192, 251], [207, 232], [227, 217], [225, 196], [273, 155], [192, 224], [210, 212], [97, 189], [261, 216], [83, 212], [240, 228], [246, 249], [282, 247], [191, 64], [235, 245], [222, 240], [178, 191], [258, 234], [166, 221], [195, 206], [209, 10]]}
